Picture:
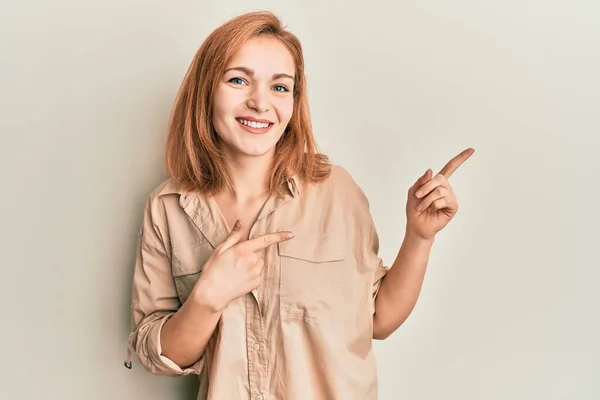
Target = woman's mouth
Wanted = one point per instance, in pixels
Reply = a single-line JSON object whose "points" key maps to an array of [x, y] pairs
{"points": [[256, 127]]}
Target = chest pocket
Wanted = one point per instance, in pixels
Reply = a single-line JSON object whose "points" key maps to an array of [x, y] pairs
{"points": [[316, 277], [186, 265]]}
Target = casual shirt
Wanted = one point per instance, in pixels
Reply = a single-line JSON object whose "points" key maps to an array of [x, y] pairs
{"points": [[306, 331]]}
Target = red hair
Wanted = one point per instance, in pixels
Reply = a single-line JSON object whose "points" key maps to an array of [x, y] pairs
{"points": [[193, 159]]}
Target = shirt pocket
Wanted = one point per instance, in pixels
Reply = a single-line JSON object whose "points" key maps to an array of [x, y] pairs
{"points": [[316, 276], [187, 263]]}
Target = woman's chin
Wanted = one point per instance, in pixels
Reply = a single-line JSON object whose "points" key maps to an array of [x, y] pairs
{"points": [[250, 148], [260, 153], [255, 152]]}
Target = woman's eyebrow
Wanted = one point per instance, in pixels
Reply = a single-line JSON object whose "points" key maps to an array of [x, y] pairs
{"points": [[279, 76], [250, 72]]}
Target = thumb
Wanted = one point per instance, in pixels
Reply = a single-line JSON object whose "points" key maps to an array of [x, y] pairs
{"points": [[423, 179], [234, 236]]}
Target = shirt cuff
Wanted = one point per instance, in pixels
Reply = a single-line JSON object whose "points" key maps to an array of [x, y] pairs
{"points": [[162, 362], [380, 273]]}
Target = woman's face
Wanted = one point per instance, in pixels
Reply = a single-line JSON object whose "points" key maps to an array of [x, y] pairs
{"points": [[254, 99]]}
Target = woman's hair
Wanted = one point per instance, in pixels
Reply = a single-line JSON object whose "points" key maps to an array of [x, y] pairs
{"points": [[193, 158]]}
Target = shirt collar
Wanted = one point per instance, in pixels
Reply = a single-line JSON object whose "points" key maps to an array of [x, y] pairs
{"points": [[292, 183]]}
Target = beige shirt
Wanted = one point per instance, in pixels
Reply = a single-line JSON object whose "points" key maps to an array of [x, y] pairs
{"points": [[306, 331]]}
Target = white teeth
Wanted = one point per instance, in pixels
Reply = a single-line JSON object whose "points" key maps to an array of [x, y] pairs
{"points": [[253, 124]]}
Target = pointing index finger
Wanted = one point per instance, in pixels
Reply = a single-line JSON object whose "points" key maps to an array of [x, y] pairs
{"points": [[456, 162], [264, 241]]}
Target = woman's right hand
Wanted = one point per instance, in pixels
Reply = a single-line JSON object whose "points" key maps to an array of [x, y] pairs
{"points": [[234, 268]]}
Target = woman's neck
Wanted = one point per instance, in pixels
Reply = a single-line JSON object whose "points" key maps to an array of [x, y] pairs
{"points": [[249, 177]]}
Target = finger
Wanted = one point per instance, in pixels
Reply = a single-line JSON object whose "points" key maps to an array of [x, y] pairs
{"points": [[425, 177], [456, 162], [439, 193], [440, 204], [435, 182], [234, 236], [421, 181], [264, 241]]}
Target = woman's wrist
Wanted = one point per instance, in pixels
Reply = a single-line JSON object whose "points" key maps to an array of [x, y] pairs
{"points": [[204, 296]]}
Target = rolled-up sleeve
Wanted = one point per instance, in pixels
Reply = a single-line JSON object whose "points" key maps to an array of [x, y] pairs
{"points": [[379, 270], [154, 301]]}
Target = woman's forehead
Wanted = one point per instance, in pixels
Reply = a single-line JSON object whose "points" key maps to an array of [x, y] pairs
{"points": [[264, 56]]}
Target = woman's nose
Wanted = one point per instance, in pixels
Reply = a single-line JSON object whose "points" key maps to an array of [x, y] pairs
{"points": [[258, 100]]}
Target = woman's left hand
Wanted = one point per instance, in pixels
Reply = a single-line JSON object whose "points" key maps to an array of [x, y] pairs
{"points": [[431, 201]]}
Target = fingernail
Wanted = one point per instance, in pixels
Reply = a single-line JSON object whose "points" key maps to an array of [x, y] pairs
{"points": [[289, 235], [419, 193]]}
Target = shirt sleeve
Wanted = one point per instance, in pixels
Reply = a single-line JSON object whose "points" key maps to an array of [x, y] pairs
{"points": [[368, 237], [154, 301], [379, 269]]}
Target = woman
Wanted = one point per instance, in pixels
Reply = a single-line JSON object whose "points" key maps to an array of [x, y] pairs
{"points": [[257, 263]]}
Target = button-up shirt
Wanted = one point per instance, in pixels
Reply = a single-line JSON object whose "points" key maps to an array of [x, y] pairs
{"points": [[306, 331]]}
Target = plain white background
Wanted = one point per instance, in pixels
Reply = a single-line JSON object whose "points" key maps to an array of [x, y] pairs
{"points": [[509, 308]]}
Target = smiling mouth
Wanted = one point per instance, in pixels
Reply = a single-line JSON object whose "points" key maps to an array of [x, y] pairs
{"points": [[254, 124]]}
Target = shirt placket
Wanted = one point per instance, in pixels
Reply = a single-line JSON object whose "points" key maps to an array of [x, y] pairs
{"points": [[257, 351], [258, 345]]}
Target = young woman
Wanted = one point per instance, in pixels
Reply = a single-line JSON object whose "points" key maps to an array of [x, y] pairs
{"points": [[257, 263]]}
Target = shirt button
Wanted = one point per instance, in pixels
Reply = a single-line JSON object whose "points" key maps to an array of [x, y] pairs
{"points": [[260, 397], [256, 347]]}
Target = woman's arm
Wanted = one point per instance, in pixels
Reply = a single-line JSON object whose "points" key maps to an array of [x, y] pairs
{"points": [[186, 334], [154, 303], [430, 206], [401, 286]]}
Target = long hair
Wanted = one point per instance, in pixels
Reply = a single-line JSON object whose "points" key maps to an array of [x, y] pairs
{"points": [[193, 159]]}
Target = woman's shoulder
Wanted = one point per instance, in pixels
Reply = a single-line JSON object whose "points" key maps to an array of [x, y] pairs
{"points": [[165, 187], [166, 191], [162, 210], [341, 176], [341, 183], [160, 198]]}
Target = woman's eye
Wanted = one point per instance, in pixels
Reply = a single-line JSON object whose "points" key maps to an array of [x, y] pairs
{"points": [[281, 88], [237, 81]]}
